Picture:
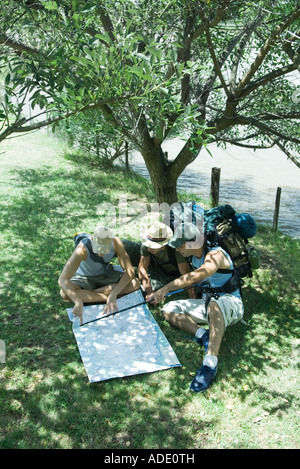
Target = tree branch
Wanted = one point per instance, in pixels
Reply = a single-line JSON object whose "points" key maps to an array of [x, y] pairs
{"points": [[17, 46], [20, 127], [278, 116], [264, 51], [295, 160], [208, 86], [106, 22], [287, 48], [222, 7], [267, 79], [182, 160], [243, 120], [216, 64], [236, 140], [247, 33], [184, 52]]}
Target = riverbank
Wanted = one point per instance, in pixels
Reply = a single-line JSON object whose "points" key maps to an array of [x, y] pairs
{"points": [[46, 401], [249, 180]]}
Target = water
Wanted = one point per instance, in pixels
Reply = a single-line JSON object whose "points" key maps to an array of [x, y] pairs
{"points": [[248, 182]]}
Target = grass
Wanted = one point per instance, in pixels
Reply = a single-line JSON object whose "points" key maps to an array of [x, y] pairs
{"points": [[46, 400]]}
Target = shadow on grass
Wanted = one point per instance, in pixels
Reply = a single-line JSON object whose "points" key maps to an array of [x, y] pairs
{"points": [[46, 398]]}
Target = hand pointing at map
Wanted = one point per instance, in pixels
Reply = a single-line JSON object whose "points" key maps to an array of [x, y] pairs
{"points": [[159, 295], [78, 309], [111, 304]]}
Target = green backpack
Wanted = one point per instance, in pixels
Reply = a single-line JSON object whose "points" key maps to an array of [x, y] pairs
{"points": [[230, 231]]}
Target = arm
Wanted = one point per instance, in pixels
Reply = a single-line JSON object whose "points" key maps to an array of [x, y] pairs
{"points": [[126, 278], [144, 277], [214, 260], [69, 270], [183, 268]]}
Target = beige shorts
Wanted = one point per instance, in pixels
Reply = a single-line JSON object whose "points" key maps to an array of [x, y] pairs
{"points": [[231, 307]]}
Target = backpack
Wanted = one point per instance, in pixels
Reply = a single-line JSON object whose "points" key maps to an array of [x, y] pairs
{"points": [[184, 212], [230, 231], [223, 227]]}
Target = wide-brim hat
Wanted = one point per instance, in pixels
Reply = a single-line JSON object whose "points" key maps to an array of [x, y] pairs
{"points": [[156, 235], [102, 240], [187, 232]]}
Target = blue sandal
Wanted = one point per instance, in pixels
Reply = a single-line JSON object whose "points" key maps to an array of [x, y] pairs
{"points": [[203, 379]]}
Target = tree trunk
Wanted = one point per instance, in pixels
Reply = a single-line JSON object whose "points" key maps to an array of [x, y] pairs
{"points": [[164, 185]]}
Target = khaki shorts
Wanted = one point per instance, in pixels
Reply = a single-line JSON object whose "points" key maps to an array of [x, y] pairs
{"points": [[231, 307], [113, 275]]}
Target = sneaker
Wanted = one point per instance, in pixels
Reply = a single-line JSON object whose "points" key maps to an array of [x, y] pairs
{"points": [[203, 379], [204, 340]]}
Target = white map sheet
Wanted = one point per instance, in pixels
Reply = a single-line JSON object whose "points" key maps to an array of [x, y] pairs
{"points": [[124, 344]]}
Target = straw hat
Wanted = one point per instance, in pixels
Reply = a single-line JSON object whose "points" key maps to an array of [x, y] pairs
{"points": [[157, 235]]}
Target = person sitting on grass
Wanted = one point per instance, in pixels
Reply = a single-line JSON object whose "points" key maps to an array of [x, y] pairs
{"points": [[89, 277], [213, 273], [159, 263]]}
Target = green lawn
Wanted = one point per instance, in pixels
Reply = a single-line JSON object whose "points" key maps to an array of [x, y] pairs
{"points": [[46, 400]]}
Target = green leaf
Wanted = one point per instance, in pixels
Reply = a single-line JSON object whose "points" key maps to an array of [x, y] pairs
{"points": [[51, 5], [154, 51], [136, 70], [59, 100], [82, 61]]}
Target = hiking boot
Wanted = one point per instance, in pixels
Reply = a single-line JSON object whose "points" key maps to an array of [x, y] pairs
{"points": [[203, 379], [204, 340]]}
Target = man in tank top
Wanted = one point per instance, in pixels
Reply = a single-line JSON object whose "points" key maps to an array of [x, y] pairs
{"points": [[213, 272], [89, 276]]}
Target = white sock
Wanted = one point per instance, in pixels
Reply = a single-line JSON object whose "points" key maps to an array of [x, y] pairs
{"points": [[210, 360], [200, 332]]}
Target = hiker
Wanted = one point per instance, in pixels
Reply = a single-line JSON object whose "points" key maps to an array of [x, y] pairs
{"points": [[89, 277], [217, 308], [159, 263]]}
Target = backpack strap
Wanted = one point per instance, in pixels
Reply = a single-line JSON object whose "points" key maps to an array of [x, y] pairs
{"points": [[172, 256], [233, 284]]}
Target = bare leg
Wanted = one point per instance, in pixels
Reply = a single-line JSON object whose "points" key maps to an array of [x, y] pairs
{"points": [[181, 321], [99, 295], [216, 326], [216, 329], [64, 296], [131, 287], [206, 374]]}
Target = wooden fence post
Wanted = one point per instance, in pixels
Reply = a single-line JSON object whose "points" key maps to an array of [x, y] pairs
{"points": [[214, 188], [126, 156], [276, 211]]}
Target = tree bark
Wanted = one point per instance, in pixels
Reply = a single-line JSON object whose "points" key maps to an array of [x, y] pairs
{"points": [[163, 182]]}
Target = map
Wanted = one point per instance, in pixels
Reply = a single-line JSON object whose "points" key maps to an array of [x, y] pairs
{"points": [[123, 344]]}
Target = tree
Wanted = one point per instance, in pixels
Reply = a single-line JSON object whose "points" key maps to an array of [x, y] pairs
{"points": [[207, 70]]}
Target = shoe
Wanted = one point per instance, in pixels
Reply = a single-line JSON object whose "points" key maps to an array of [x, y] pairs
{"points": [[203, 379], [204, 340]]}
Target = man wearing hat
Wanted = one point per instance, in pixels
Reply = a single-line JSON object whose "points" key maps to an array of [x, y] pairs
{"points": [[213, 273], [89, 277], [159, 263]]}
